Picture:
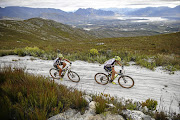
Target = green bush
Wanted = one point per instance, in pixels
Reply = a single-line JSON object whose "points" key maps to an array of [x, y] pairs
{"points": [[34, 51], [129, 104], [150, 103], [100, 104], [160, 116], [25, 96], [6, 52], [94, 52], [170, 62], [19, 51], [149, 65]]}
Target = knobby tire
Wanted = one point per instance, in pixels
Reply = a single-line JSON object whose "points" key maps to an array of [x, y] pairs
{"points": [[98, 76], [72, 75], [128, 78], [52, 71]]}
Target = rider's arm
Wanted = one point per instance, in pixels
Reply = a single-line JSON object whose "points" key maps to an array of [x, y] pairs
{"points": [[67, 61], [119, 63]]}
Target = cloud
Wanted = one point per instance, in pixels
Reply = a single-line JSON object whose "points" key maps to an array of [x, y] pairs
{"points": [[69, 5]]}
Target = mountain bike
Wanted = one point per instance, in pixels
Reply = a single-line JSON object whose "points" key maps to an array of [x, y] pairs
{"points": [[123, 80], [73, 76]]}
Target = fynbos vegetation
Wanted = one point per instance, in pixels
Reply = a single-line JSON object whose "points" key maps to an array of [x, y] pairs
{"points": [[77, 44], [25, 96]]}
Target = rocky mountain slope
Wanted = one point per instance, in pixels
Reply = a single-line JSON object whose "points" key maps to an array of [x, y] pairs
{"points": [[37, 29]]}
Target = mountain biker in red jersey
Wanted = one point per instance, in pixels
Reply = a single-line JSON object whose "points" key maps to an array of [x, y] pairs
{"points": [[60, 60], [109, 66]]}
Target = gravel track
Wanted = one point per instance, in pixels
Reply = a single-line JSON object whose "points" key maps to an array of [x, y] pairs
{"points": [[157, 85]]}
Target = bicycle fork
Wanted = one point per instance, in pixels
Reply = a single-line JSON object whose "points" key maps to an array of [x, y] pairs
{"points": [[125, 81]]}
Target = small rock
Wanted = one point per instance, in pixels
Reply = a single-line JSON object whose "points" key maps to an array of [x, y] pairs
{"points": [[92, 105], [111, 105], [87, 98]]}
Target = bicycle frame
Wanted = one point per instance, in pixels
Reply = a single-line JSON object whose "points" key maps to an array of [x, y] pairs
{"points": [[121, 73], [68, 68]]}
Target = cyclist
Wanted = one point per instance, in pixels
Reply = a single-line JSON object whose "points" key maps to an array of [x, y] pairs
{"points": [[60, 60], [109, 66]]}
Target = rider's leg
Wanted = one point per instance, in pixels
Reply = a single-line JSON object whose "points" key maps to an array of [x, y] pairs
{"points": [[60, 70], [113, 73], [64, 65]]}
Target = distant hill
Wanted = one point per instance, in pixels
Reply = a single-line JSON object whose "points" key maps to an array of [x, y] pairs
{"points": [[26, 13], [58, 15], [121, 11], [85, 15], [93, 12], [156, 12], [39, 30]]}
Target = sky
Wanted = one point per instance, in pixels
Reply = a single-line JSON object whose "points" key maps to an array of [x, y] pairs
{"points": [[72, 5]]}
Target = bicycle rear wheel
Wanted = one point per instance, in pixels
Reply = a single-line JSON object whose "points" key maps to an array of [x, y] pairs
{"points": [[101, 78], [126, 81], [54, 73], [73, 76]]}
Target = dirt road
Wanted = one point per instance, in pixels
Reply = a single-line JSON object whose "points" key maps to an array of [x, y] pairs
{"points": [[157, 85]]}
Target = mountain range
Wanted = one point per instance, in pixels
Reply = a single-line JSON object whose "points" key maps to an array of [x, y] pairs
{"points": [[82, 15], [156, 12], [16, 12]]}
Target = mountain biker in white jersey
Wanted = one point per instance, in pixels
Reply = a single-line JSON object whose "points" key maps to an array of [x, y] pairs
{"points": [[60, 60], [109, 66]]}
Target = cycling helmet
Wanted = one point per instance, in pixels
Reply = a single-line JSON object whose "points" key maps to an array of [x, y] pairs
{"points": [[117, 58], [60, 56]]}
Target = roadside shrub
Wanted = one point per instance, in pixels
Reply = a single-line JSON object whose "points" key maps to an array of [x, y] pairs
{"points": [[34, 51], [165, 60], [160, 116], [101, 59], [176, 117], [145, 63], [129, 104], [19, 51], [6, 52], [100, 104], [150, 103], [79, 102], [94, 52], [25, 96]]}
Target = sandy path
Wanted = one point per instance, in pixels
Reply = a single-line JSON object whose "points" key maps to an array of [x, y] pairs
{"points": [[157, 85]]}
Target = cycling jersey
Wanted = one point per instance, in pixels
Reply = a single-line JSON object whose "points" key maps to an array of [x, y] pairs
{"points": [[57, 61], [110, 63]]}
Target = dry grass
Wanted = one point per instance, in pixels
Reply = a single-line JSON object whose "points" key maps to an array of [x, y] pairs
{"points": [[25, 96]]}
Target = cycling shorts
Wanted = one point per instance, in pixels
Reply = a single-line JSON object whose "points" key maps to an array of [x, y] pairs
{"points": [[108, 69], [61, 63]]}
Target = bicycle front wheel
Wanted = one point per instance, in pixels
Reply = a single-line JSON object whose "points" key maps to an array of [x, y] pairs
{"points": [[101, 78], [126, 81], [54, 73], [73, 76]]}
